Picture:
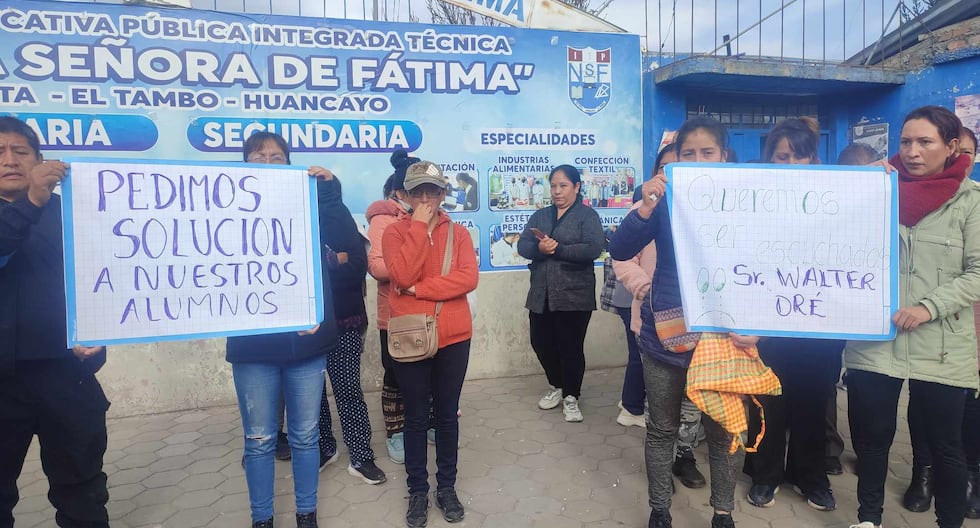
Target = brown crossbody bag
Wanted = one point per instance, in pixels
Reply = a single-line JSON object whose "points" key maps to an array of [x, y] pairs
{"points": [[415, 337]]}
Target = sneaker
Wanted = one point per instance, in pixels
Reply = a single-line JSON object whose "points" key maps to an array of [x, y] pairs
{"points": [[761, 495], [262, 524], [396, 448], [282, 447], [551, 399], [627, 418], [659, 519], [685, 468], [448, 503], [820, 500], [430, 436], [418, 511], [722, 520], [571, 410], [306, 520], [326, 460], [367, 471], [865, 524]]}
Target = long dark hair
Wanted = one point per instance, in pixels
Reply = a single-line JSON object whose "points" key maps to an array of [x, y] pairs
{"points": [[401, 161], [709, 125]]}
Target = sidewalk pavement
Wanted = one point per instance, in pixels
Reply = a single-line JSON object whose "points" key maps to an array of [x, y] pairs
{"points": [[519, 467]]}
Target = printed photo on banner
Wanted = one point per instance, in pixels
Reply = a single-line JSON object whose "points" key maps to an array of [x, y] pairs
{"points": [[873, 135], [503, 247], [780, 250], [181, 250], [968, 110], [496, 107]]}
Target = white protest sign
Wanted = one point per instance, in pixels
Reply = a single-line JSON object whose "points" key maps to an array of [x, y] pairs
{"points": [[179, 250], [784, 250]]}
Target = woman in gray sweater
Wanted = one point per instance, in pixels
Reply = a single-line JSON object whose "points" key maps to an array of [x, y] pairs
{"points": [[562, 242]]}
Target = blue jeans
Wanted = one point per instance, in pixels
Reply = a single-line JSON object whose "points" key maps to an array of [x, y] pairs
{"points": [[634, 392], [259, 386]]}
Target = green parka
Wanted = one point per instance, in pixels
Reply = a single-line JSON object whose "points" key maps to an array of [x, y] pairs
{"points": [[939, 267]]}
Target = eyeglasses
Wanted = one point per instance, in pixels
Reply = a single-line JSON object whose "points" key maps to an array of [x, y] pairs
{"points": [[418, 193], [259, 158]]}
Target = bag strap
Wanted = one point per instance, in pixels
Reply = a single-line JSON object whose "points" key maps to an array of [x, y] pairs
{"points": [[446, 259]]}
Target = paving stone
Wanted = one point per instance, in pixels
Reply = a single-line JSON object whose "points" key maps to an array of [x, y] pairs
{"points": [[519, 466]]}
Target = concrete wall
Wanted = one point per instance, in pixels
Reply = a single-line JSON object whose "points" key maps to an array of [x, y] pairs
{"points": [[172, 376]]}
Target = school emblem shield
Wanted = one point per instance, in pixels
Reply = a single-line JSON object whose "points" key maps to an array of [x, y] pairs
{"points": [[589, 78]]}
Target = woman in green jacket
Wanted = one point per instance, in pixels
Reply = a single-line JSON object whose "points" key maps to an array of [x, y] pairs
{"points": [[936, 345]]}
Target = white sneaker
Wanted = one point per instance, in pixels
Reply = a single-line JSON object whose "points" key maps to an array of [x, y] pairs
{"points": [[866, 524], [627, 419], [551, 399], [571, 410]]}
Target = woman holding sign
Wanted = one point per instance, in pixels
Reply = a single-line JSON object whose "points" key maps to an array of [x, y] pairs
{"points": [[936, 345], [287, 366], [562, 242], [416, 252], [700, 139], [807, 369]]}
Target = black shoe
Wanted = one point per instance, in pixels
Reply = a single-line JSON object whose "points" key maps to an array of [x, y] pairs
{"points": [[832, 466], [686, 469], [659, 519], [918, 498], [367, 471], [262, 524], [973, 493], [306, 520], [282, 447], [761, 495], [722, 520], [418, 511], [328, 458], [448, 503], [820, 500]]}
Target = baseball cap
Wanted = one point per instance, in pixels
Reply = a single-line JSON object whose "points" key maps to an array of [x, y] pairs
{"points": [[424, 172]]}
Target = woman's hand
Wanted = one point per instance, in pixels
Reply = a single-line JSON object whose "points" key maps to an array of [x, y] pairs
{"points": [[83, 352], [911, 317], [547, 245], [653, 191], [320, 173], [423, 213], [743, 341], [311, 331]]}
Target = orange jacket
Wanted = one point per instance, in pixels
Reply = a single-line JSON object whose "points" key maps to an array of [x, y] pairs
{"points": [[414, 258]]}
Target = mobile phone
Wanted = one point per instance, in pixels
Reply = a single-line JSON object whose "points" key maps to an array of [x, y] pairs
{"points": [[538, 233]]}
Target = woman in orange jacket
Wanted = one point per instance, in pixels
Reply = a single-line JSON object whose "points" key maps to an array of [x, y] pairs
{"points": [[413, 250]]}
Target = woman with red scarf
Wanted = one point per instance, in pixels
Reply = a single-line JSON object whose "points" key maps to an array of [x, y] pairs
{"points": [[935, 349]]}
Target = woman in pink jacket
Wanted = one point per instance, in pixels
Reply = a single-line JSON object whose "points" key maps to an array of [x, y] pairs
{"points": [[380, 215], [636, 275]]}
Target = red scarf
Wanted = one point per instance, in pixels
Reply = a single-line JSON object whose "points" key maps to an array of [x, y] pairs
{"points": [[919, 196]]}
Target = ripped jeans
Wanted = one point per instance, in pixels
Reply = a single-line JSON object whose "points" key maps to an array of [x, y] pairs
{"points": [[259, 386]]}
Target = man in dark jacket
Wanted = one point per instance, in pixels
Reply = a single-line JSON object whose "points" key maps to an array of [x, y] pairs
{"points": [[46, 389]]}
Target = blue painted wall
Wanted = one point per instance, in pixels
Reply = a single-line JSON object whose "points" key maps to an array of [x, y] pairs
{"points": [[940, 84]]}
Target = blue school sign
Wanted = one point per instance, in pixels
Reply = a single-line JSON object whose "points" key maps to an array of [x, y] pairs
{"points": [[485, 103]]}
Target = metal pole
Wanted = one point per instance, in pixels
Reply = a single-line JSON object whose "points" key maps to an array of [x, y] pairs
{"points": [[692, 27], [782, 19], [375, 10], [660, 39], [716, 22], [824, 22], [646, 22], [674, 19], [738, 14], [803, 53], [760, 29], [759, 24]]}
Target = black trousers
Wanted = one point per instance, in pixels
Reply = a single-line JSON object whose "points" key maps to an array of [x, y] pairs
{"points": [[434, 383], [922, 455], [807, 370], [872, 401], [558, 339], [62, 403]]}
